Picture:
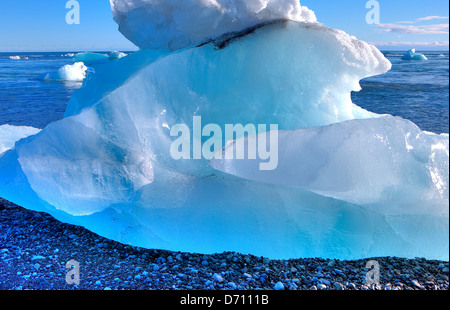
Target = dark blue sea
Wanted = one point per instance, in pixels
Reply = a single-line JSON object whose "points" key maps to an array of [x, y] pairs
{"points": [[415, 90]]}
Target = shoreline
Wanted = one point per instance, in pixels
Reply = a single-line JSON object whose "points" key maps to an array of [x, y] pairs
{"points": [[35, 247]]}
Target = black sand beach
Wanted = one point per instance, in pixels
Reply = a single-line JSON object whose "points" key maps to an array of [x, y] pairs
{"points": [[34, 250]]}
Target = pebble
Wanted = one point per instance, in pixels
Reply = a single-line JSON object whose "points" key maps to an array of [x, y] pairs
{"points": [[217, 278], [106, 264], [325, 281], [417, 284], [279, 286], [232, 285]]}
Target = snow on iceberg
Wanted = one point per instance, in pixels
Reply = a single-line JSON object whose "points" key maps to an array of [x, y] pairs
{"points": [[108, 167], [173, 24], [73, 73], [9, 135], [412, 55]]}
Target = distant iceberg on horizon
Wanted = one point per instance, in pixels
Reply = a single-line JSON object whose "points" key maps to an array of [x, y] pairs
{"points": [[350, 184], [412, 55]]}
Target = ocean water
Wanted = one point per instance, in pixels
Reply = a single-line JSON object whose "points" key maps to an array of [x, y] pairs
{"points": [[418, 91], [415, 90]]}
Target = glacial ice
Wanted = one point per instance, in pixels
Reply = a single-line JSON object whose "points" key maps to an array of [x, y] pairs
{"points": [[116, 55], [167, 25], [14, 57], [73, 73], [412, 55], [349, 183], [9, 135], [387, 164], [90, 59]]}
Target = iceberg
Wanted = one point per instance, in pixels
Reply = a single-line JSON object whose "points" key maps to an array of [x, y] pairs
{"points": [[90, 59], [73, 73], [9, 135], [412, 55], [165, 24], [349, 184], [14, 57], [116, 55], [363, 162]]}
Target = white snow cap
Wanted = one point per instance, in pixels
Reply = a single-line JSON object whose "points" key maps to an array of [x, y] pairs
{"points": [[175, 24]]}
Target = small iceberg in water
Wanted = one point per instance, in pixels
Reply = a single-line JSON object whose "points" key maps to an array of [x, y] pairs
{"points": [[116, 55], [14, 57], [91, 59], [73, 73], [412, 55]]}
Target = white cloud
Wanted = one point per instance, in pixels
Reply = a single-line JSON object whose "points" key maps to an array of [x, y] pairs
{"points": [[405, 22], [431, 18], [412, 29], [407, 43]]}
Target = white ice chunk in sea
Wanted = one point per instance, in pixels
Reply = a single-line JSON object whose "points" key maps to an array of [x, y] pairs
{"points": [[73, 73]]}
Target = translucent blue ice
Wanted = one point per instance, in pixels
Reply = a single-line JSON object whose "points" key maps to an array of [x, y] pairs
{"points": [[351, 183], [412, 55]]}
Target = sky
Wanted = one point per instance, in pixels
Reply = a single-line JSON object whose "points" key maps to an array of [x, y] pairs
{"points": [[40, 25]]}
